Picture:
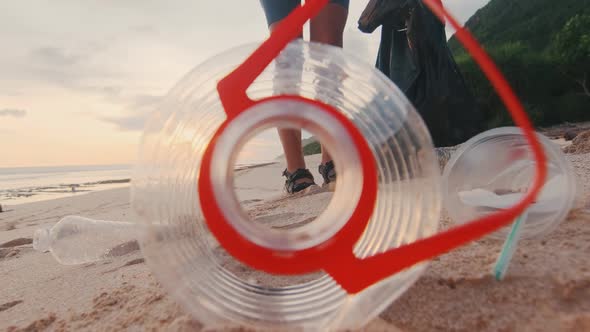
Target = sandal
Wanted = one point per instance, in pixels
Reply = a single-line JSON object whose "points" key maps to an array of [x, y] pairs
{"points": [[291, 185], [328, 172]]}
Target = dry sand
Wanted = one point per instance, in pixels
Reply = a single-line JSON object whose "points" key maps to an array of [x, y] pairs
{"points": [[547, 289], [580, 144]]}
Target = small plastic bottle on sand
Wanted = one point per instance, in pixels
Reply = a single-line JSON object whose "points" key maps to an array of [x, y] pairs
{"points": [[78, 240]]}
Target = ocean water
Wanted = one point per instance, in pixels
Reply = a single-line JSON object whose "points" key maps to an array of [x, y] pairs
{"points": [[30, 184]]}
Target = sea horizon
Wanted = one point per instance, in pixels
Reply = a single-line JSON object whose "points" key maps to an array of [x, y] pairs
{"points": [[6, 169], [19, 185]]}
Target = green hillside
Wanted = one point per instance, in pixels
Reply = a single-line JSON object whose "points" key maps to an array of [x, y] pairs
{"points": [[543, 48], [311, 146], [532, 22]]}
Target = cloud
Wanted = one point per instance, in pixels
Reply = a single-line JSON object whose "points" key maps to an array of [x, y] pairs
{"points": [[138, 109], [16, 113], [128, 123], [75, 68], [56, 56], [70, 67], [145, 101], [10, 93], [144, 29]]}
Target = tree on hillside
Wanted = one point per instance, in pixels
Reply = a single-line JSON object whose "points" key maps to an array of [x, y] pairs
{"points": [[571, 46]]}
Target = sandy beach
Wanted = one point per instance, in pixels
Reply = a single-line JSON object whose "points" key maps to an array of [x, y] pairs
{"points": [[547, 289]]}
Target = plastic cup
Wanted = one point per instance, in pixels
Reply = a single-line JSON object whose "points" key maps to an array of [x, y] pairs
{"points": [[493, 171]]}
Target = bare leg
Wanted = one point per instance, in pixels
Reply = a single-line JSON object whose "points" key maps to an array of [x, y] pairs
{"points": [[291, 141], [328, 28]]}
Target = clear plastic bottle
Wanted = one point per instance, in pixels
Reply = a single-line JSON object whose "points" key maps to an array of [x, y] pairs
{"points": [[187, 258], [78, 240]]}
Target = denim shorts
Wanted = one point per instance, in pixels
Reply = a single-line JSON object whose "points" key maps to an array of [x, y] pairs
{"points": [[276, 10]]}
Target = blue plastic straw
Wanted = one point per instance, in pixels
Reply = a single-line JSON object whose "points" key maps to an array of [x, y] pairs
{"points": [[509, 247]]}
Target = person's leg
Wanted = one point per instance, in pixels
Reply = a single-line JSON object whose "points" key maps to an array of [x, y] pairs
{"points": [[290, 138], [275, 11], [328, 28]]}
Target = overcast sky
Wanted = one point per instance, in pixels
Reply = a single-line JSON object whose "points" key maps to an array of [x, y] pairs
{"points": [[77, 77]]}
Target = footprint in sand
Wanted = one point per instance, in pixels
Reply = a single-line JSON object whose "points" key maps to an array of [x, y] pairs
{"points": [[7, 253], [250, 201], [275, 218], [8, 226], [134, 261], [16, 242], [296, 224], [129, 263], [9, 305]]}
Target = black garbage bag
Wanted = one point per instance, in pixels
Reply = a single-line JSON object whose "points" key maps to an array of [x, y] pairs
{"points": [[414, 54]]}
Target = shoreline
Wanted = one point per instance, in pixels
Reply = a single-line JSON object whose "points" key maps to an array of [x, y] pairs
{"points": [[16, 197], [24, 195]]}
